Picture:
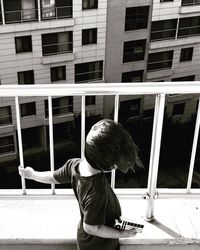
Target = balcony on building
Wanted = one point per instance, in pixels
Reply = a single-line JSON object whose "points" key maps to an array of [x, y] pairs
{"points": [[20, 11], [35, 216], [33, 10]]}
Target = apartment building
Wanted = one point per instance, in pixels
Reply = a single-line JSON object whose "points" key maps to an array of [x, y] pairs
{"points": [[66, 41], [149, 41], [42, 42]]}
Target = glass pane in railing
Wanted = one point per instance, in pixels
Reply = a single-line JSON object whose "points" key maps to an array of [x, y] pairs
{"points": [[177, 139], [136, 115]]}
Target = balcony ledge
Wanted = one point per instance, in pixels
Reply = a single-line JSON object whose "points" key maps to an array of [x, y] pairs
{"points": [[53, 220]]}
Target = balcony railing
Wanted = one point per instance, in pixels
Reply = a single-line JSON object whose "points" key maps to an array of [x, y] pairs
{"points": [[21, 16], [56, 12], [160, 90]]}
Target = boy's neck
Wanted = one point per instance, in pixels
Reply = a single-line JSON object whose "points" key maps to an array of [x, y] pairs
{"points": [[86, 169]]}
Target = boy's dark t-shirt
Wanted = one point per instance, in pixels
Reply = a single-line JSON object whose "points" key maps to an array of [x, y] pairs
{"points": [[97, 202]]}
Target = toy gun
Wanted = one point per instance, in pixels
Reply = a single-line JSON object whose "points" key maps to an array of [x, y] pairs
{"points": [[121, 224]]}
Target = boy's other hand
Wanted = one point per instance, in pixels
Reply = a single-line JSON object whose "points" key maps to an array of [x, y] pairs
{"points": [[26, 172]]}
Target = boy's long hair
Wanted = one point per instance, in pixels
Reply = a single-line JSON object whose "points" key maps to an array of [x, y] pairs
{"points": [[109, 144]]}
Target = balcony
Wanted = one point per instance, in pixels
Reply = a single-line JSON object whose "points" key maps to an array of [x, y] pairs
{"points": [[47, 218], [22, 11]]}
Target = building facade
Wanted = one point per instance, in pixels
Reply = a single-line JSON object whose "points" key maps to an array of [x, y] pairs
{"points": [[66, 41], [150, 41], [42, 42]]}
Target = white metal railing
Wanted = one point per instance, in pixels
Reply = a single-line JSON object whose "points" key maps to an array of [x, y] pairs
{"points": [[56, 12], [160, 90], [21, 15]]}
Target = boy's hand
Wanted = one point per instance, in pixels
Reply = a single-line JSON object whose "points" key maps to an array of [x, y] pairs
{"points": [[26, 172], [129, 233]]}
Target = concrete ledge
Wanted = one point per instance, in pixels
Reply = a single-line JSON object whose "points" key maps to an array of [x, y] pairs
{"points": [[39, 223]]}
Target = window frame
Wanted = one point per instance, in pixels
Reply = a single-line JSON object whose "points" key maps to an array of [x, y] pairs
{"points": [[28, 109], [58, 73], [56, 48], [87, 4], [188, 27], [131, 24], [162, 32], [184, 57], [26, 75], [86, 36], [169, 61], [132, 74], [8, 117], [10, 144], [129, 54], [24, 44], [86, 71], [56, 106]]}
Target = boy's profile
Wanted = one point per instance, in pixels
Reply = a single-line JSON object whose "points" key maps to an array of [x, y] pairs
{"points": [[108, 146]]}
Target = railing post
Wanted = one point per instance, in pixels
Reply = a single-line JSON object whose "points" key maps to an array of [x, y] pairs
{"points": [[2, 12], [20, 146], [116, 114], [39, 10], [51, 141], [154, 156], [194, 148], [82, 126]]}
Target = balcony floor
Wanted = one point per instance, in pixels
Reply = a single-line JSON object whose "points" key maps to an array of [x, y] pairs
{"points": [[49, 221]]}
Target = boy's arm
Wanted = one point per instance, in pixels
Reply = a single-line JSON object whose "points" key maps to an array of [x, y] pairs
{"points": [[43, 177], [108, 232]]}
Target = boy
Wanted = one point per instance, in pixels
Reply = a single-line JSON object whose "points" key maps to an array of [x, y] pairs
{"points": [[108, 146]]}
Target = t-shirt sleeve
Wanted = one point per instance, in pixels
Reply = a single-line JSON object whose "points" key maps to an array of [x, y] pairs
{"points": [[63, 174], [94, 210]]}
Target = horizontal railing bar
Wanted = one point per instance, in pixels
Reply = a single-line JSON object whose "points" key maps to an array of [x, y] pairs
{"points": [[88, 89]]}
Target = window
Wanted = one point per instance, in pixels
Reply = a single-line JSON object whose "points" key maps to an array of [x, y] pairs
{"points": [[130, 108], [91, 71], [26, 77], [60, 106], [7, 144], [190, 2], [178, 109], [134, 51], [184, 78], [89, 36], [57, 43], [5, 115], [160, 60], [189, 26], [166, 1], [162, 30], [58, 73], [23, 44], [28, 109], [90, 100], [89, 4], [186, 54], [136, 18], [132, 76]]}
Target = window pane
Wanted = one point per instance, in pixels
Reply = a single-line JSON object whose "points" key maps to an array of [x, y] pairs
{"points": [[28, 109], [7, 144], [57, 43], [136, 18], [134, 50], [26, 77], [88, 71], [23, 44], [5, 115], [58, 73]]}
